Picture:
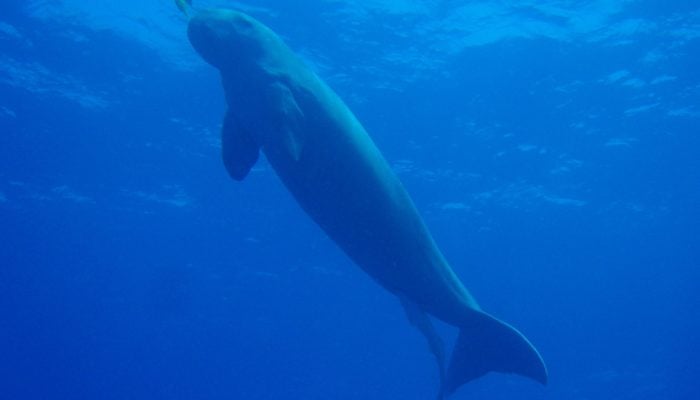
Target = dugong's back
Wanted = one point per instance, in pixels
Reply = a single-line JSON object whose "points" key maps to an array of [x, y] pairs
{"points": [[342, 181], [333, 169]]}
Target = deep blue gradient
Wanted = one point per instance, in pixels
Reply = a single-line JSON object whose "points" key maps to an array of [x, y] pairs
{"points": [[552, 149]]}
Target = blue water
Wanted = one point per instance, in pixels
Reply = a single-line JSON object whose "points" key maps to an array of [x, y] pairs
{"points": [[552, 148]]}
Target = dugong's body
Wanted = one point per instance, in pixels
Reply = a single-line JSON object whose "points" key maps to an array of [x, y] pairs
{"points": [[328, 162]]}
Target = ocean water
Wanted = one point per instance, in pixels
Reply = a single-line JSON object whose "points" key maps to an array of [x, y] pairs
{"points": [[551, 147]]}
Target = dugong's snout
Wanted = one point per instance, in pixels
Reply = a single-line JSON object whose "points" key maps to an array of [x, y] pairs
{"points": [[221, 36]]}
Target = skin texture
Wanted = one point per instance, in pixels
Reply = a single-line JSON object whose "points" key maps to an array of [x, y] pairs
{"points": [[326, 159]]}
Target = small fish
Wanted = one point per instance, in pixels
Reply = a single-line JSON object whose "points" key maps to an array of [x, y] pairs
{"points": [[183, 4]]}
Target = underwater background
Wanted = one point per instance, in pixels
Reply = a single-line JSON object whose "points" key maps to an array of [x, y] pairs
{"points": [[551, 146]]}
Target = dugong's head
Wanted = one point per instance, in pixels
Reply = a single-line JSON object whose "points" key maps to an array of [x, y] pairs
{"points": [[226, 37]]}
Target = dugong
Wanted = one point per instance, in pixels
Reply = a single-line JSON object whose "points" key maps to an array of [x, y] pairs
{"points": [[326, 159]]}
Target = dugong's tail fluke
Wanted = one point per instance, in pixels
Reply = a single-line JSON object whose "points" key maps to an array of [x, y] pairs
{"points": [[488, 344]]}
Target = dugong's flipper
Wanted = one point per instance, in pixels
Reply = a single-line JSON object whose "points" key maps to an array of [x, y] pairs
{"points": [[486, 344], [182, 5], [238, 149]]}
